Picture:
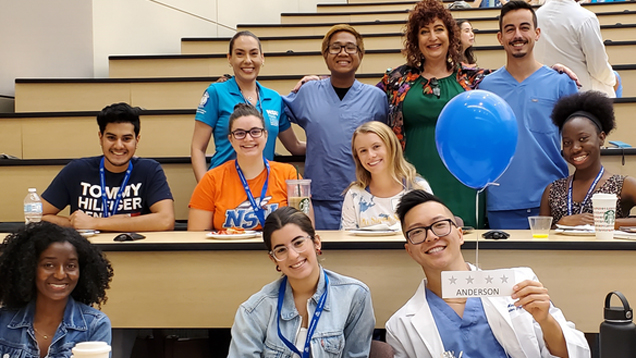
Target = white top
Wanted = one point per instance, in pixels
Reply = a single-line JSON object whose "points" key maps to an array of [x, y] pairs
{"points": [[571, 35], [361, 208]]}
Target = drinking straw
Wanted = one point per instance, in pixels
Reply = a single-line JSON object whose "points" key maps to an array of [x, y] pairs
{"points": [[297, 178]]}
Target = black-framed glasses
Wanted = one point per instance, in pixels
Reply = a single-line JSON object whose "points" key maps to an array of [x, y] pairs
{"points": [[299, 244], [255, 132], [335, 48], [433, 84], [440, 228]]}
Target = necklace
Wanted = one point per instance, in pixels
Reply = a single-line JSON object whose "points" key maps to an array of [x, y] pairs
{"points": [[45, 336]]}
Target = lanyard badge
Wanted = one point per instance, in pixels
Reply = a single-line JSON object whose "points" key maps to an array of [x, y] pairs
{"points": [[120, 191], [314, 321], [258, 209], [587, 196]]}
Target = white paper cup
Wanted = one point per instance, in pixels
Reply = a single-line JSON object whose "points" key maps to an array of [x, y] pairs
{"points": [[604, 215], [91, 350]]}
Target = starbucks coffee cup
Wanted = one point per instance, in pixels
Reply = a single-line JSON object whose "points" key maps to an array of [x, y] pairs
{"points": [[91, 350], [604, 215]]}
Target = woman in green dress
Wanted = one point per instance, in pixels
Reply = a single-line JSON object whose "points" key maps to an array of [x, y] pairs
{"points": [[417, 92]]}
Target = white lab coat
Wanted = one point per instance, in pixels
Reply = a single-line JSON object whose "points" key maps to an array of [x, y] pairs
{"points": [[412, 331]]}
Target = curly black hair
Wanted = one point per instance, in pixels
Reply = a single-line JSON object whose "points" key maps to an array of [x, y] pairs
{"points": [[425, 12], [593, 102], [20, 255]]}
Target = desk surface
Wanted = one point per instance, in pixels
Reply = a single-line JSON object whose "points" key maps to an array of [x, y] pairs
{"points": [[519, 240], [185, 280]]}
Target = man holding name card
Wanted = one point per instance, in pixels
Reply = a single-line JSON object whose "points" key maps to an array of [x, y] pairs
{"points": [[525, 324]]}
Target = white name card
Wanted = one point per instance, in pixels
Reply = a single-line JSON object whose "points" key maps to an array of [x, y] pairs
{"points": [[493, 283]]}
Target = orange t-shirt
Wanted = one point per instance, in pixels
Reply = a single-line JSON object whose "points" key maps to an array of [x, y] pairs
{"points": [[221, 191]]}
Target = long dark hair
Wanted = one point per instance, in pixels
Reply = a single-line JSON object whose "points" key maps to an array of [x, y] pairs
{"points": [[468, 56]]}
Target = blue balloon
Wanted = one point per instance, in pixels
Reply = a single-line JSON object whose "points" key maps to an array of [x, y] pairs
{"points": [[476, 137]]}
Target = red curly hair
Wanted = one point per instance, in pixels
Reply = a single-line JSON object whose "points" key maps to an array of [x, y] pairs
{"points": [[424, 13]]}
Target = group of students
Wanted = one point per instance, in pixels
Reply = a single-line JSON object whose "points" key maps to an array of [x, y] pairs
{"points": [[242, 184], [360, 177]]}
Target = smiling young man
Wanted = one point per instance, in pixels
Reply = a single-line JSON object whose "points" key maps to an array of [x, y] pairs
{"points": [[531, 89], [114, 191], [329, 111], [525, 325]]}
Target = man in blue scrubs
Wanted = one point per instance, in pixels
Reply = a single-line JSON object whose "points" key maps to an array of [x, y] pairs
{"points": [[521, 326], [329, 111], [531, 89]]}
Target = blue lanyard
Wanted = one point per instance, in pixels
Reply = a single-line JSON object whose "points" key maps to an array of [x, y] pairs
{"points": [[258, 209], [589, 192], [120, 191], [314, 320]]}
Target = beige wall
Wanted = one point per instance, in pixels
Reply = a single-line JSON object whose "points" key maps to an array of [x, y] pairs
{"points": [[43, 38]]}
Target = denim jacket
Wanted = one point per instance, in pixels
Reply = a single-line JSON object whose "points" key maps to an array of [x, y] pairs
{"points": [[80, 323], [344, 329]]}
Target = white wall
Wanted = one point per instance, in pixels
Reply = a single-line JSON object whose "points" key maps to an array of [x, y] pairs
{"points": [[73, 38], [157, 26], [44, 38]]}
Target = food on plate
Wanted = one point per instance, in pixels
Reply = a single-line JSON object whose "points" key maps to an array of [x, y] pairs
{"points": [[230, 231]]}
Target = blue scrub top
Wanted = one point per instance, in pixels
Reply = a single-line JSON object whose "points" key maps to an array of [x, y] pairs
{"points": [[329, 124], [470, 334], [216, 106], [537, 161]]}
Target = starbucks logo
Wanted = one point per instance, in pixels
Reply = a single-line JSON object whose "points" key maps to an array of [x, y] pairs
{"points": [[609, 217], [304, 205]]}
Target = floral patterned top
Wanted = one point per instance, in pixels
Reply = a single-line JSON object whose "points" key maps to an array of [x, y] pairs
{"points": [[558, 198], [397, 82]]}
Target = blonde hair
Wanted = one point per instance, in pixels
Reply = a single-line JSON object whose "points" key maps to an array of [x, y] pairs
{"points": [[339, 28], [402, 171]]}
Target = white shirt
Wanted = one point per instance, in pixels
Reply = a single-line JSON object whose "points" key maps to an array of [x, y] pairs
{"points": [[361, 208], [571, 35]]}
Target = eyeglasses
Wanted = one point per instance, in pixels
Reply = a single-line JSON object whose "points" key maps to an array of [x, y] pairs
{"points": [[335, 48], [440, 228], [254, 132], [299, 244], [432, 87]]}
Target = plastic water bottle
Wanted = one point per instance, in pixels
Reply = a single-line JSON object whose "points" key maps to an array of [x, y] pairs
{"points": [[32, 207], [618, 332]]}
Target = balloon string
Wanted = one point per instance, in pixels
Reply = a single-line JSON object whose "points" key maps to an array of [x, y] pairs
{"points": [[477, 220], [477, 225]]}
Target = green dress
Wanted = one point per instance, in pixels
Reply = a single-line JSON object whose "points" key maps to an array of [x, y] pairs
{"points": [[420, 113]]}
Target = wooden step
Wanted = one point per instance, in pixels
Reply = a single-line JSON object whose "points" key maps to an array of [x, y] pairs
{"points": [[59, 94], [480, 19], [63, 95], [165, 133], [301, 63], [216, 45], [408, 5], [378, 27]]}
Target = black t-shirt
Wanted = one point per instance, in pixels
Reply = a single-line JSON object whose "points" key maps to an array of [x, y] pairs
{"points": [[341, 92], [78, 185]]}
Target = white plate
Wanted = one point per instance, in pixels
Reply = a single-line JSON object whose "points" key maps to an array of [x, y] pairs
{"points": [[575, 232], [88, 233], [374, 233], [246, 235]]}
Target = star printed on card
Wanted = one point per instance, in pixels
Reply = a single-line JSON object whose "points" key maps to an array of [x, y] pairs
{"points": [[491, 283]]}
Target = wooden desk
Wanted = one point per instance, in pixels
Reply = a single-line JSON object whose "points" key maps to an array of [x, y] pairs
{"points": [[184, 280]]}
